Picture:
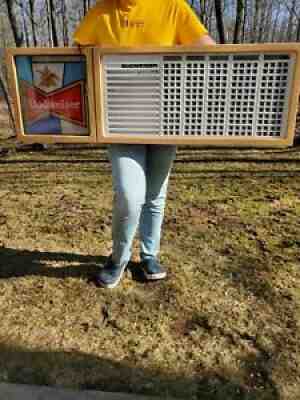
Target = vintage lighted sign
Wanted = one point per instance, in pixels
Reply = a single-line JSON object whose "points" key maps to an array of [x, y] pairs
{"points": [[223, 95], [53, 91]]}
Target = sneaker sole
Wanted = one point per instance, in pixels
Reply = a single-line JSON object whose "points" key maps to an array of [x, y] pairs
{"points": [[154, 277], [114, 284]]}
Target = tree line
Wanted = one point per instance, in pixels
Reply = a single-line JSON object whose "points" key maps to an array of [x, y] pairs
{"points": [[51, 23]]}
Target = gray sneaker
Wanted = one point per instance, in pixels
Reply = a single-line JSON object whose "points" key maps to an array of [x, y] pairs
{"points": [[152, 269], [110, 275]]}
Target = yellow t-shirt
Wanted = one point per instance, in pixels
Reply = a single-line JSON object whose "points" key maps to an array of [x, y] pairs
{"points": [[148, 22]]}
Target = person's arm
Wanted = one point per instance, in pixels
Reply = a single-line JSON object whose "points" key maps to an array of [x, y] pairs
{"points": [[203, 40]]}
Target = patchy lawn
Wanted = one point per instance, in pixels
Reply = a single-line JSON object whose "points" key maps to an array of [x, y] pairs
{"points": [[224, 325]]}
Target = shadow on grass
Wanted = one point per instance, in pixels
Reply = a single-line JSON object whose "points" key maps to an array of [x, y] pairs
{"points": [[76, 370], [18, 263], [57, 161]]}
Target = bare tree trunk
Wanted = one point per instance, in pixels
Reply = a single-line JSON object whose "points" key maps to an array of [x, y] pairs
{"points": [[51, 24], [86, 6], [8, 102], [289, 34], [65, 24], [255, 21], [203, 11], [267, 22], [25, 30], [261, 21], [298, 31], [19, 41], [220, 22], [31, 8], [55, 38], [17, 34], [238, 22], [210, 17], [245, 21]]}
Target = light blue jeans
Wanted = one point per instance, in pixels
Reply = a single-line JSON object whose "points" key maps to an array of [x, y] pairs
{"points": [[140, 179]]}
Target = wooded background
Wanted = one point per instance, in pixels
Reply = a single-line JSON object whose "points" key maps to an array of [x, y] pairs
{"points": [[51, 23]]}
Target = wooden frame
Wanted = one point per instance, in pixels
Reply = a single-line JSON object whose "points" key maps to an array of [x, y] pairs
{"points": [[292, 49], [97, 112], [71, 126]]}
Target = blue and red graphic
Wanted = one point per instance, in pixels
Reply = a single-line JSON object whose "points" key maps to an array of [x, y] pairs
{"points": [[52, 94]]}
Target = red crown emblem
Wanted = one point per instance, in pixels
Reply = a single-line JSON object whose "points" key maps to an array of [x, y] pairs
{"points": [[66, 103]]}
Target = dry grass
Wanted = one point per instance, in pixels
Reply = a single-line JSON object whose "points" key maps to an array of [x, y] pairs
{"points": [[225, 323]]}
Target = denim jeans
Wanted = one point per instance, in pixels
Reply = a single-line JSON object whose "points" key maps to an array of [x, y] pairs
{"points": [[140, 179]]}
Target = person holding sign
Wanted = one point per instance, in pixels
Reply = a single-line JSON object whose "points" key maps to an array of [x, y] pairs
{"points": [[140, 172]]}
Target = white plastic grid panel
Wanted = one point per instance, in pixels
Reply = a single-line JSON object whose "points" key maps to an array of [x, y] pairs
{"points": [[216, 95], [274, 82], [172, 94], [212, 95], [194, 96], [243, 97]]}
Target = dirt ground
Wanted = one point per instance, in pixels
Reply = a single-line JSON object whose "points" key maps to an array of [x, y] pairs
{"points": [[223, 325]]}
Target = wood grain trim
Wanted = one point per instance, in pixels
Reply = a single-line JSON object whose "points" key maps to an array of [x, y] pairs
{"points": [[294, 100], [14, 92], [218, 48]]}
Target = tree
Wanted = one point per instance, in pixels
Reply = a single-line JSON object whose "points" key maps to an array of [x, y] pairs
{"points": [[220, 22], [294, 13], [53, 39], [240, 9], [17, 33], [31, 8]]}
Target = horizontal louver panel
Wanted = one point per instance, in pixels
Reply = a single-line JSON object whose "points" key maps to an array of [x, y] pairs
{"points": [[132, 95]]}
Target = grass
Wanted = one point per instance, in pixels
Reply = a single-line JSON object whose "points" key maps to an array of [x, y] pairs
{"points": [[224, 325]]}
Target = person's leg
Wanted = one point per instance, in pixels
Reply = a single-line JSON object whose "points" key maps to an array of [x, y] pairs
{"points": [[129, 184], [159, 161]]}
